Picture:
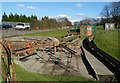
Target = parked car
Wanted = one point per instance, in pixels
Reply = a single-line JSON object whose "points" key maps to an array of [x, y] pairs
{"points": [[22, 26], [6, 26]]}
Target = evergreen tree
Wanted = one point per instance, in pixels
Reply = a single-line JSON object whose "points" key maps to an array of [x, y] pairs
{"points": [[44, 23], [16, 16], [5, 17], [11, 17]]}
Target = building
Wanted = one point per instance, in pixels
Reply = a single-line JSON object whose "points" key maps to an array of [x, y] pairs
{"points": [[109, 26]]}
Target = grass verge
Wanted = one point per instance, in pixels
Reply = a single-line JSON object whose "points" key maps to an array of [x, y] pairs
{"points": [[108, 42], [56, 33], [23, 75]]}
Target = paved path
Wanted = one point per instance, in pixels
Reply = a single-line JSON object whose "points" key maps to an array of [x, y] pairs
{"points": [[12, 32], [78, 64], [99, 67]]}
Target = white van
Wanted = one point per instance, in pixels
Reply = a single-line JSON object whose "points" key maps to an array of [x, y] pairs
{"points": [[22, 26]]}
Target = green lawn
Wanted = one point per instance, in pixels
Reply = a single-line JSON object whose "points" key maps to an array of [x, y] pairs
{"points": [[100, 27], [23, 75], [108, 42], [55, 33]]}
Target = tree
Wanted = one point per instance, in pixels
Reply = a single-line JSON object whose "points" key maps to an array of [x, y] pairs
{"points": [[48, 23], [87, 21], [64, 22], [11, 17], [44, 23], [35, 24], [111, 13], [106, 11], [115, 11], [33, 17], [16, 17], [5, 17], [52, 23]]}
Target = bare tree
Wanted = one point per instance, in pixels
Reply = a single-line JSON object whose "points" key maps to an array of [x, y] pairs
{"points": [[111, 13], [115, 12], [88, 21], [115, 9], [106, 11]]}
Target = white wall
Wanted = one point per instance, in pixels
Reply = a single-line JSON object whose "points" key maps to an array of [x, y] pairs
{"points": [[109, 26]]}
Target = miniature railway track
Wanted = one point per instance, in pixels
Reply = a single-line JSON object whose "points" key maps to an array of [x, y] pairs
{"points": [[69, 38], [58, 62], [7, 65], [70, 50], [111, 63]]}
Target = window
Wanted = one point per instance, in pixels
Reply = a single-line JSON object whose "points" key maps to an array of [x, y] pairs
{"points": [[20, 24]]}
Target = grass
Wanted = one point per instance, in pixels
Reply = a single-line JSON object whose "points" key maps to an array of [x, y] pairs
{"points": [[56, 33], [23, 75], [108, 42], [99, 27], [0, 79]]}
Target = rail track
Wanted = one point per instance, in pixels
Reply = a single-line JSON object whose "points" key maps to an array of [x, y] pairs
{"points": [[111, 63], [8, 74], [69, 38]]}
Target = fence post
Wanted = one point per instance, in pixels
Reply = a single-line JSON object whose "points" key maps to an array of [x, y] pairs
{"points": [[54, 49], [61, 52]]}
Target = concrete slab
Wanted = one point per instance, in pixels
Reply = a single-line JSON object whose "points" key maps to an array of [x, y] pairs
{"points": [[77, 64], [99, 67], [59, 72], [83, 70], [47, 68], [35, 64], [43, 55], [80, 67], [35, 67]]}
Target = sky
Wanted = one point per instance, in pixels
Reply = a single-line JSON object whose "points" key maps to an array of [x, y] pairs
{"points": [[59, 0], [74, 11]]}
